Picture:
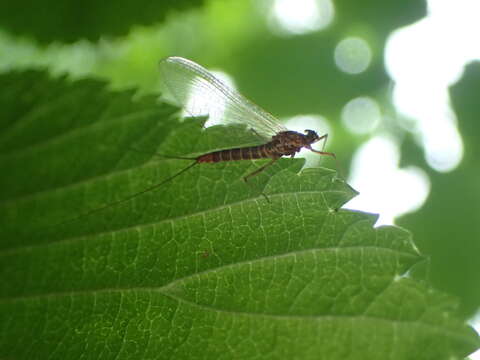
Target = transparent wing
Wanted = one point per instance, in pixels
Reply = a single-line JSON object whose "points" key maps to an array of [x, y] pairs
{"points": [[200, 93]]}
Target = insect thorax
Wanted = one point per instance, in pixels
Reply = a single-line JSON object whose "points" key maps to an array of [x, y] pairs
{"points": [[288, 142]]}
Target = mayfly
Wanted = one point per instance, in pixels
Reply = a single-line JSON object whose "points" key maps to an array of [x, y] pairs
{"points": [[184, 80], [200, 93]]}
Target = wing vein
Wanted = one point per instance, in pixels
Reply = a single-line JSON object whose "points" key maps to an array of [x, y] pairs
{"points": [[199, 92]]}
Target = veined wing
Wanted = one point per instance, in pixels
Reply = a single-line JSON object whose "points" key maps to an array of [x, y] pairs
{"points": [[200, 93]]}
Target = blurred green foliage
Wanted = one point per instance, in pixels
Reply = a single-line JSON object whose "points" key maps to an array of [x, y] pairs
{"points": [[69, 21], [286, 75]]}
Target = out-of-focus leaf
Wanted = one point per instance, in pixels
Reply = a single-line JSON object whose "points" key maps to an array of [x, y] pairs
{"points": [[69, 20], [204, 266]]}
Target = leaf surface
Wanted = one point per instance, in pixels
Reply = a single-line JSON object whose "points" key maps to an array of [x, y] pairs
{"points": [[202, 267]]}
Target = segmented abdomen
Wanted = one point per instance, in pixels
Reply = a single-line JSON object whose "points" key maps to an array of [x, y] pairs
{"points": [[246, 153]]}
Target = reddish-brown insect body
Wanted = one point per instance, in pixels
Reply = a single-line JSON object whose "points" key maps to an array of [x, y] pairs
{"points": [[285, 143]]}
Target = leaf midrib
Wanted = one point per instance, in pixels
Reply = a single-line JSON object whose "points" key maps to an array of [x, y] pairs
{"points": [[164, 288], [337, 317]]}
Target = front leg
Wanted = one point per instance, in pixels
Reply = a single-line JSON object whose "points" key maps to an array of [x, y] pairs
{"points": [[337, 164]]}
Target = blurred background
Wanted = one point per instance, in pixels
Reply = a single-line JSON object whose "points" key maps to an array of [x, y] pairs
{"points": [[396, 85]]}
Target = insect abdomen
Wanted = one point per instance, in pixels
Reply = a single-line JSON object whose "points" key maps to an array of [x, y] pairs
{"points": [[246, 153]]}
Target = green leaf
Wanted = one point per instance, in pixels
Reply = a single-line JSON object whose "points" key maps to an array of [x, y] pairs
{"points": [[68, 20], [203, 266]]}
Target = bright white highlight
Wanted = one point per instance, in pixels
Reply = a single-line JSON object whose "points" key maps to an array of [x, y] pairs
{"points": [[434, 122], [300, 16], [475, 322], [353, 55], [384, 187], [424, 59], [361, 115], [202, 103], [317, 123]]}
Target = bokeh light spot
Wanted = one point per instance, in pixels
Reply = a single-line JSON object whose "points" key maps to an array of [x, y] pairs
{"points": [[361, 115], [443, 146], [300, 16], [384, 187], [475, 322], [424, 59], [353, 55]]}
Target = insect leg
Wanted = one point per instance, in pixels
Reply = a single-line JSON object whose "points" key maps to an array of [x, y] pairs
{"points": [[259, 170], [324, 138], [337, 164], [324, 153]]}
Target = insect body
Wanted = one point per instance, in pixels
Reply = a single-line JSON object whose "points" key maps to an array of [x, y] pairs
{"points": [[285, 143]]}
